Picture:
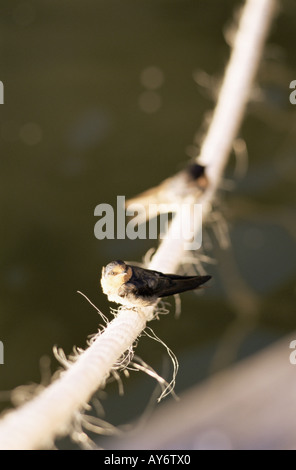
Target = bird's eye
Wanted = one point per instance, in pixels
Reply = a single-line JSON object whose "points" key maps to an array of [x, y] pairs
{"points": [[112, 273]]}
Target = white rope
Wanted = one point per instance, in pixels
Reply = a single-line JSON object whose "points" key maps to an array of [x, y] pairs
{"points": [[37, 423], [239, 75]]}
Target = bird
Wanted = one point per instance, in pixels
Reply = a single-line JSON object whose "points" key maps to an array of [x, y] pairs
{"points": [[192, 181], [134, 286]]}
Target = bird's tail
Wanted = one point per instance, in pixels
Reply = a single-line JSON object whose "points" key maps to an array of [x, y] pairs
{"points": [[180, 284]]}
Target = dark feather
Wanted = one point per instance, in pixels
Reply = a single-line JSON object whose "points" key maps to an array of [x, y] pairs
{"points": [[195, 171], [175, 286], [148, 283]]}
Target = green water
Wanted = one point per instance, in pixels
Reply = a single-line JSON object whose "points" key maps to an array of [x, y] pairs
{"points": [[75, 132]]}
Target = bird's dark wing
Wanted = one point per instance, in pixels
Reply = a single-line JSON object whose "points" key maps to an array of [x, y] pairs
{"points": [[170, 285], [146, 282]]}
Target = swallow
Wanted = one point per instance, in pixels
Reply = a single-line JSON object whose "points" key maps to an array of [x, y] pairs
{"points": [[135, 286], [191, 181]]}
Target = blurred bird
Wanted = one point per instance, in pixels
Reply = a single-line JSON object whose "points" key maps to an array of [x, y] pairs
{"points": [[192, 181], [134, 286]]}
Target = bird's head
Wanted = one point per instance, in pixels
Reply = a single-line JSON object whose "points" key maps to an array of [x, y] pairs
{"points": [[114, 275]]}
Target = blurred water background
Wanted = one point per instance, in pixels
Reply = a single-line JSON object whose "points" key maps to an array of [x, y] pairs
{"points": [[103, 98]]}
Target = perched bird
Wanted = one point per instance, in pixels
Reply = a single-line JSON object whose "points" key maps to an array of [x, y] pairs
{"points": [[131, 285], [191, 181]]}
